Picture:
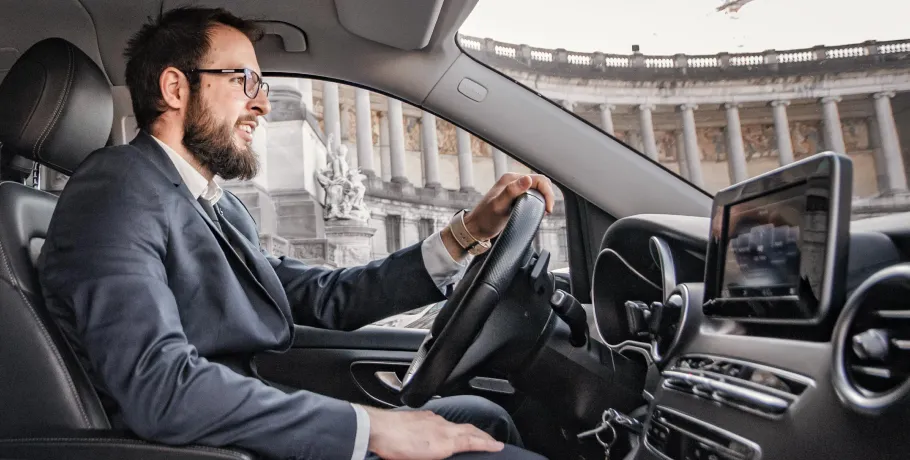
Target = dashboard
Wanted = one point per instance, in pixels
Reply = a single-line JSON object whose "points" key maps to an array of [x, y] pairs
{"points": [[776, 329]]}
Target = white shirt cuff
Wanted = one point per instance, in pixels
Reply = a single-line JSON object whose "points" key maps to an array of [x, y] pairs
{"points": [[442, 268], [362, 438]]}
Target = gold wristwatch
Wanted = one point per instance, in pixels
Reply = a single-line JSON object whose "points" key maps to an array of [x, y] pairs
{"points": [[465, 239]]}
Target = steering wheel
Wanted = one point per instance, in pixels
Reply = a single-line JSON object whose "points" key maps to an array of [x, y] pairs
{"points": [[472, 302]]}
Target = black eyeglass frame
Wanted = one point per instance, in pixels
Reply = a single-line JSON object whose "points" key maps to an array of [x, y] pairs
{"points": [[248, 76]]}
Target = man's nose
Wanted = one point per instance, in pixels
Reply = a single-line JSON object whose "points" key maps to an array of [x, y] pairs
{"points": [[260, 104]]}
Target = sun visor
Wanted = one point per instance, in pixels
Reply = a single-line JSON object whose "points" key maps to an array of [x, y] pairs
{"points": [[403, 24]]}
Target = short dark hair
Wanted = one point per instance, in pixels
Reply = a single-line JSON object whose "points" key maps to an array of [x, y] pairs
{"points": [[179, 38]]}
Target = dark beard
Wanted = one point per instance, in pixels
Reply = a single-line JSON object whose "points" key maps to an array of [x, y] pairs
{"points": [[212, 144]]}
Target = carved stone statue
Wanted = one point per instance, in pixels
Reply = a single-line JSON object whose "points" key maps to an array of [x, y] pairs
{"points": [[343, 186]]}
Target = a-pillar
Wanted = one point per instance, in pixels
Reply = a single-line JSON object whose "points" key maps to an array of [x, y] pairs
{"points": [[890, 144], [736, 152], [465, 161], [690, 137], [330, 114], [500, 163], [364, 132], [606, 117], [396, 141], [834, 135], [430, 146], [782, 132], [649, 142], [385, 162]]}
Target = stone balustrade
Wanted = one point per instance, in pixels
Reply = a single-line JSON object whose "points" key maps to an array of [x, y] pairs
{"points": [[560, 62]]}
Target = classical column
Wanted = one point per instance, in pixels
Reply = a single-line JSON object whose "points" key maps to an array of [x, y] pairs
{"points": [[385, 162], [465, 160], [647, 130], [396, 141], [606, 117], [330, 114], [500, 163], [736, 153], [782, 132], [693, 155], [891, 149], [364, 131], [681, 155], [834, 135], [430, 150]]}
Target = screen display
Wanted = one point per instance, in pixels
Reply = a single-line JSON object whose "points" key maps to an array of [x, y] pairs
{"points": [[763, 241]]}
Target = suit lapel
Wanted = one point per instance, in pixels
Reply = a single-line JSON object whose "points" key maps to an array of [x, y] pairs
{"points": [[267, 283], [257, 266]]}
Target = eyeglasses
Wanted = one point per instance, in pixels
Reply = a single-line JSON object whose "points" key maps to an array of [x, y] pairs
{"points": [[252, 82]]}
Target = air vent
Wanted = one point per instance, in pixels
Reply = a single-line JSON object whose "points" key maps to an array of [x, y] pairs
{"points": [[872, 343], [747, 386]]}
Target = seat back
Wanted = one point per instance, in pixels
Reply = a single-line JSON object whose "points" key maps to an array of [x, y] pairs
{"points": [[57, 108]]}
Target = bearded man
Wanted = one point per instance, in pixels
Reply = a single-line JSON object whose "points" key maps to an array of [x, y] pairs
{"points": [[156, 277]]}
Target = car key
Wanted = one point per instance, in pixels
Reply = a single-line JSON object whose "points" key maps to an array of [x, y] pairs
{"points": [[604, 426]]}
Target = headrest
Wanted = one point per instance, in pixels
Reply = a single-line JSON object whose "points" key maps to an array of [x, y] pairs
{"points": [[56, 107]]}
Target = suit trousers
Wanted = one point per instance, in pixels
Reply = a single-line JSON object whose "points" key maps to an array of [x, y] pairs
{"points": [[485, 415]]}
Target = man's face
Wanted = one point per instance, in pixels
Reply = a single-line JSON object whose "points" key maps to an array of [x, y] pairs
{"points": [[220, 118]]}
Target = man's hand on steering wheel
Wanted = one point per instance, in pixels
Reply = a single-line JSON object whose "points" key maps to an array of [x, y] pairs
{"points": [[492, 213]]}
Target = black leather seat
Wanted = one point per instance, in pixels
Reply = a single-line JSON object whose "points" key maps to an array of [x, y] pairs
{"points": [[57, 108]]}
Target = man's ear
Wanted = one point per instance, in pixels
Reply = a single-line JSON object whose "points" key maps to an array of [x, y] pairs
{"points": [[175, 88]]}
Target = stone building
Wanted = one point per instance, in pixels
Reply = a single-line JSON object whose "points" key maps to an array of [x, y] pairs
{"points": [[714, 119], [742, 114]]}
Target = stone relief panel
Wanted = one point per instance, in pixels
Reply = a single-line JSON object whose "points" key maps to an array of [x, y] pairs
{"points": [[445, 134], [318, 110], [448, 144], [666, 145], [312, 249], [856, 134], [412, 134], [711, 143], [806, 137], [374, 124], [622, 136], [351, 119], [759, 141]]}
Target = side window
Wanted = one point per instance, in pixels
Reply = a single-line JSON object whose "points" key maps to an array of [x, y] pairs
{"points": [[348, 175]]}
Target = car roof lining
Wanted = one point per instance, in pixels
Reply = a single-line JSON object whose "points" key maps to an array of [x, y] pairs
{"points": [[414, 21]]}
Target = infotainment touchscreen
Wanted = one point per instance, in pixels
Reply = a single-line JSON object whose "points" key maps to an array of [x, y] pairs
{"points": [[763, 245], [778, 243]]}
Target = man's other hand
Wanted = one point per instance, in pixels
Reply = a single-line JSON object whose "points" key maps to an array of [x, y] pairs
{"points": [[423, 435], [490, 216]]}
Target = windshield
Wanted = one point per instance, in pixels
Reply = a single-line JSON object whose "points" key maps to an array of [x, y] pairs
{"points": [[719, 91]]}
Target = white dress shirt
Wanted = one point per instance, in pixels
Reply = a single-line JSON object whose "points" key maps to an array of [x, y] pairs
{"points": [[442, 268]]}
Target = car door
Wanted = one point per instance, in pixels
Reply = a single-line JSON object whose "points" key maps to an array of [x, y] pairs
{"points": [[412, 171]]}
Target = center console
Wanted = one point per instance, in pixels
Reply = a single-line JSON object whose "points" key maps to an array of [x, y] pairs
{"points": [[776, 261]]}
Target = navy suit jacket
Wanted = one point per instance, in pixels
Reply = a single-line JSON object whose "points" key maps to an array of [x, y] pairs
{"points": [[159, 307]]}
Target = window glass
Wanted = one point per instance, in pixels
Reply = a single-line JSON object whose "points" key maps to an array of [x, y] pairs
{"points": [[719, 91], [335, 190]]}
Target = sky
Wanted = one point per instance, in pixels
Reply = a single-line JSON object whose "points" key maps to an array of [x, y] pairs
{"points": [[687, 26]]}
